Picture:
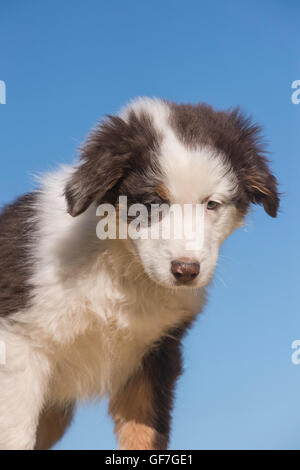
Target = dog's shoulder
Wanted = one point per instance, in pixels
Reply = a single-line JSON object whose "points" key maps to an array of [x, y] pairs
{"points": [[17, 229]]}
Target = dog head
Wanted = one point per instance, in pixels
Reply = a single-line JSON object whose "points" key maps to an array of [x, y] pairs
{"points": [[209, 165]]}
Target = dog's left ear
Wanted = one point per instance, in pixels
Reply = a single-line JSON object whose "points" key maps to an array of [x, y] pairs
{"points": [[261, 186], [256, 178]]}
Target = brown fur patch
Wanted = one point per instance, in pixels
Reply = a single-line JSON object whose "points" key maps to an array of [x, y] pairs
{"points": [[52, 425], [163, 192], [133, 413], [137, 436], [135, 401]]}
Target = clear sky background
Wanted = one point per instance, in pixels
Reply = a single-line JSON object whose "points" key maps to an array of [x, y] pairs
{"points": [[66, 64]]}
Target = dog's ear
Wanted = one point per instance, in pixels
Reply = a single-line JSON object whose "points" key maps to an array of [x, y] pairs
{"points": [[104, 160], [113, 149], [250, 162], [261, 187], [89, 184]]}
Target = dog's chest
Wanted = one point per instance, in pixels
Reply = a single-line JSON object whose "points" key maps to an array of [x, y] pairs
{"points": [[119, 331], [98, 362]]}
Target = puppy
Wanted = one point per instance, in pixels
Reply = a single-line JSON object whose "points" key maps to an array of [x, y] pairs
{"points": [[83, 315]]}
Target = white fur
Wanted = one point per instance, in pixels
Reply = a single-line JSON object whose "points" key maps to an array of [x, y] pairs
{"points": [[99, 306]]}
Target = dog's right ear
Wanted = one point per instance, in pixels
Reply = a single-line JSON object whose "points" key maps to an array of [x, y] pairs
{"points": [[113, 149], [89, 184], [104, 160]]}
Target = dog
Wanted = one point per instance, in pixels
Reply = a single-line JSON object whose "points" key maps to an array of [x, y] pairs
{"points": [[83, 316]]}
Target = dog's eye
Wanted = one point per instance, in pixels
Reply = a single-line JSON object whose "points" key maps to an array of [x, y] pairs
{"points": [[212, 205]]}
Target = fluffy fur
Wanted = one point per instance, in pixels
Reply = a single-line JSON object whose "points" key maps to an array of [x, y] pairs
{"points": [[85, 318]]}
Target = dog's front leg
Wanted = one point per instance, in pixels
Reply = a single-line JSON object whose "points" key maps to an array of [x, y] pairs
{"points": [[142, 409], [23, 380]]}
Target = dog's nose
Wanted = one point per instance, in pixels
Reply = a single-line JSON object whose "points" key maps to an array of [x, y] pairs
{"points": [[185, 269]]}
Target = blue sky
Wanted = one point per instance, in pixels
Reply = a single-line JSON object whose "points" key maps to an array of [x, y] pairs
{"points": [[66, 64]]}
